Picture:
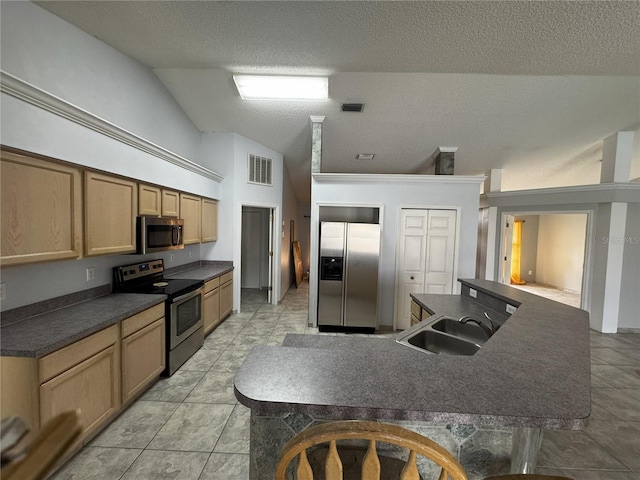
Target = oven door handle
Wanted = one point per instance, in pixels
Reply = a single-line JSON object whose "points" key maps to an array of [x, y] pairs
{"points": [[187, 295]]}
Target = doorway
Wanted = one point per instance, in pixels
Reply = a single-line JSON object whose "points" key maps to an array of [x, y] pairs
{"points": [[546, 254], [256, 261]]}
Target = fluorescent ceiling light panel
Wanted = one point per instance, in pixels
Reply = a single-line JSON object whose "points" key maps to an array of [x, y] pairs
{"points": [[274, 87]]}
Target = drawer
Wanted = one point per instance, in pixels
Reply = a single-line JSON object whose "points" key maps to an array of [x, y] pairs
{"points": [[415, 309], [140, 320], [67, 357], [211, 284], [227, 277]]}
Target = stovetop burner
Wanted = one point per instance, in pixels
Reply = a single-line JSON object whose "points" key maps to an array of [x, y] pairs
{"points": [[148, 277]]}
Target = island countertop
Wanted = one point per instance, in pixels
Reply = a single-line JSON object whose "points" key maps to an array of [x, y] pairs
{"points": [[533, 372]]}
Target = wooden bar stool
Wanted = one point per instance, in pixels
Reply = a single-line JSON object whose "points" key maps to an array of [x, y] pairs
{"points": [[526, 476], [48, 446], [371, 463]]}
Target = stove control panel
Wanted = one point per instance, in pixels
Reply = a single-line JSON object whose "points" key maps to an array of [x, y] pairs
{"points": [[127, 273]]}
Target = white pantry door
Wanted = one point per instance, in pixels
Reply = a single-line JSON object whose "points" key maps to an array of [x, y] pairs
{"points": [[425, 257]]}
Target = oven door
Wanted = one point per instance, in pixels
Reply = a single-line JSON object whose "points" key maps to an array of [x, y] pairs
{"points": [[186, 316]]}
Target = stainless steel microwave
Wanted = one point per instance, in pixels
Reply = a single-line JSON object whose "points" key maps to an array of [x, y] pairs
{"points": [[156, 234]]}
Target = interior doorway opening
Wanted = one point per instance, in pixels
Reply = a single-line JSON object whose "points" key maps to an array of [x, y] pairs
{"points": [[256, 262], [546, 254]]}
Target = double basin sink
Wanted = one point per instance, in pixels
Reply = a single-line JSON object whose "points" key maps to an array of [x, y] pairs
{"points": [[445, 335]]}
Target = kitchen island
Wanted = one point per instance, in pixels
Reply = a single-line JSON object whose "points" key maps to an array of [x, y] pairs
{"points": [[488, 409]]}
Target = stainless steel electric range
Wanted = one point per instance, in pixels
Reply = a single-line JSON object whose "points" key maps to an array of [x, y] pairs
{"points": [[183, 307]]}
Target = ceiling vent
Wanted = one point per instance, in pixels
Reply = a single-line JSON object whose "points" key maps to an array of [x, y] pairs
{"points": [[259, 170], [352, 107]]}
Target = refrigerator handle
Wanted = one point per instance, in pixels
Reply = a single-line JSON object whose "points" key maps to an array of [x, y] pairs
{"points": [[345, 274]]}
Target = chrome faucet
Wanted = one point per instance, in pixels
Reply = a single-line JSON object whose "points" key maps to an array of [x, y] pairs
{"points": [[489, 331]]}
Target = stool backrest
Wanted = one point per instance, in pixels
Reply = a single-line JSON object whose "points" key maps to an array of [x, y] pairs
{"points": [[371, 431]]}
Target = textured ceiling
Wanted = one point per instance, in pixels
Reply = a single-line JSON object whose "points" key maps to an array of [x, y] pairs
{"points": [[530, 87]]}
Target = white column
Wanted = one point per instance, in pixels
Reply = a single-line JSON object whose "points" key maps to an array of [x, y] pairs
{"points": [[617, 151], [316, 143], [493, 183], [611, 226]]}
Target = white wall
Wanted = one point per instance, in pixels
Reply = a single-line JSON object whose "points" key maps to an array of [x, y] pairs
{"points": [[57, 57], [54, 56], [228, 154], [217, 152], [398, 192], [560, 254]]}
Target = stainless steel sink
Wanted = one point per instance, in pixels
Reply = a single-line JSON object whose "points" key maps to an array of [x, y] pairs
{"points": [[444, 335], [438, 343], [465, 331]]}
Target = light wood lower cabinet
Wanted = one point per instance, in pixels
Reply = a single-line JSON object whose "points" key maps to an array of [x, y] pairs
{"points": [[85, 376], [143, 351], [416, 313], [97, 375], [211, 305], [41, 210], [226, 295], [91, 387]]}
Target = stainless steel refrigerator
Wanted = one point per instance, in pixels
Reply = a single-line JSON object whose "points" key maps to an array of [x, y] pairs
{"points": [[348, 284]]}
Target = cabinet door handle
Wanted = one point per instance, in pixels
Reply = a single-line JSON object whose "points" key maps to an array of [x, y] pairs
{"points": [[412, 278]]}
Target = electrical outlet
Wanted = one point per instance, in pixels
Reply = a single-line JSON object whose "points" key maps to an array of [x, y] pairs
{"points": [[172, 257], [3, 291], [530, 272], [511, 309], [473, 293], [190, 254], [91, 274]]}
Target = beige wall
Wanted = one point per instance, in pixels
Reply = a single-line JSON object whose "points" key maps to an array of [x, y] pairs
{"points": [[560, 255]]}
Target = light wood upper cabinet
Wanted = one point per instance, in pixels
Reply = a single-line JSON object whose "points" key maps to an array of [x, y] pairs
{"points": [[41, 210], [170, 203], [209, 220], [111, 206], [190, 212], [149, 200]]}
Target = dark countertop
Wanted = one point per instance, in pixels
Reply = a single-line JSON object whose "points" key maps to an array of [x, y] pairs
{"points": [[534, 371], [40, 335], [204, 272]]}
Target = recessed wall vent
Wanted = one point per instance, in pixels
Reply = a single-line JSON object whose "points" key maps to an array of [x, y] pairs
{"points": [[259, 170], [352, 107]]}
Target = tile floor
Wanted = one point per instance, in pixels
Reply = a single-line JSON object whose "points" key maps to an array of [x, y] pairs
{"points": [[190, 426], [563, 296]]}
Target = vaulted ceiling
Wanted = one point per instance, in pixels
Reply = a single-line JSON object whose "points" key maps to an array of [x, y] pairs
{"points": [[530, 87]]}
